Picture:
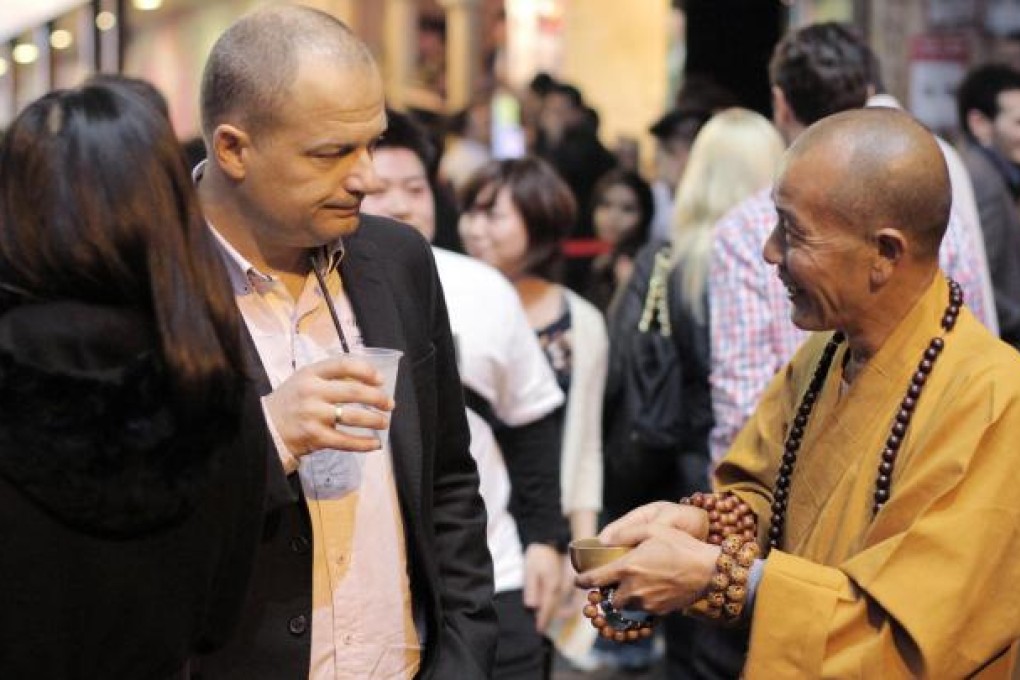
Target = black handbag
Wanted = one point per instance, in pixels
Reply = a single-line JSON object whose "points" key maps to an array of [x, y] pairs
{"points": [[652, 380]]}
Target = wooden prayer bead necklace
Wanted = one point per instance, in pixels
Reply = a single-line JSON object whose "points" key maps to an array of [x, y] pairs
{"points": [[611, 623], [781, 492]]}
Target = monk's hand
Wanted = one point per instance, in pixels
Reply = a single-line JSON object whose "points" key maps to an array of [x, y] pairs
{"points": [[667, 570], [686, 518]]}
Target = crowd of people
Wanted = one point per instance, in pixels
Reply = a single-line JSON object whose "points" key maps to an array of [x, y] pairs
{"points": [[783, 370]]}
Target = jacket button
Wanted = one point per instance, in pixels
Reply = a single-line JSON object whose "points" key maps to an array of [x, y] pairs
{"points": [[300, 544], [298, 625]]}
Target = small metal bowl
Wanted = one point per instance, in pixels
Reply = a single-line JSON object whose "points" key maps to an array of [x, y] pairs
{"points": [[588, 553]]}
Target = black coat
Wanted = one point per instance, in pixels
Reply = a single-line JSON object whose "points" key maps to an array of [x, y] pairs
{"points": [[390, 277], [126, 541]]}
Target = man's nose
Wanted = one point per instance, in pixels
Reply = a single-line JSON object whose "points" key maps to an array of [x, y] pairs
{"points": [[363, 178]]}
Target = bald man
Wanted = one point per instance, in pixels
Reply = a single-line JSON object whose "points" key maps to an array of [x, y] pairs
{"points": [[374, 561], [879, 466]]}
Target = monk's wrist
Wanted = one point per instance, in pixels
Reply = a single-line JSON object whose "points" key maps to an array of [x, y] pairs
{"points": [[724, 598]]}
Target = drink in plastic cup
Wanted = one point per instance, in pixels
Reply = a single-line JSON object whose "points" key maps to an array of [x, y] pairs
{"points": [[386, 362]]}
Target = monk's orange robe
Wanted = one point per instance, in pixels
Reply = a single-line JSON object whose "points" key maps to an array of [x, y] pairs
{"points": [[930, 587]]}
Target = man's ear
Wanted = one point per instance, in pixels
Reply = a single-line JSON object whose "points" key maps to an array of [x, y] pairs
{"points": [[981, 126], [230, 148], [783, 116], [891, 246], [781, 112]]}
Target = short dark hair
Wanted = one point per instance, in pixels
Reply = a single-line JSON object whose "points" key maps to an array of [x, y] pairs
{"points": [[97, 206], [572, 94], [980, 91], [634, 182], [540, 195], [252, 65], [703, 92], [402, 132], [821, 69], [680, 125], [542, 83]]}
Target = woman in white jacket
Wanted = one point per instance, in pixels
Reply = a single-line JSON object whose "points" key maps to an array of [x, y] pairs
{"points": [[516, 214]]}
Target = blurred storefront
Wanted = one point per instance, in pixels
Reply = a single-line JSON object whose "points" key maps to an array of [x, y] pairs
{"points": [[440, 55], [437, 55], [926, 46]]}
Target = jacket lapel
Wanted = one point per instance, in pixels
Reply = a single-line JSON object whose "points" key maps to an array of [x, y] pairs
{"points": [[376, 310]]}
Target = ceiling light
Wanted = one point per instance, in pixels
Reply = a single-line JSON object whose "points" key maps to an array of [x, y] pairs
{"points": [[25, 53], [61, 39], [105, 21], [147, 5]]}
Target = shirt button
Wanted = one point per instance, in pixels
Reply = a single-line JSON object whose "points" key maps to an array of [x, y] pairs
{"points": [[300, 544], [298, 625], [348, 639]]}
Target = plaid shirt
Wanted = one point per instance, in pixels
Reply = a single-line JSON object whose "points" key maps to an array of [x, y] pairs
{"points": [[751, 333]]}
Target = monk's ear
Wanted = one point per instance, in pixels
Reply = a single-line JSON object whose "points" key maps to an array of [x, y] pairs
{"points": [[891, 248], [230, 150]]}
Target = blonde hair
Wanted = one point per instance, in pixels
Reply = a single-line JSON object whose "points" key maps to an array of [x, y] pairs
{"points": [[735, 154]]}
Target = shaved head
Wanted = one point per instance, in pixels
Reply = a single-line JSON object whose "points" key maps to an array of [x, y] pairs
{"points": [[888, 172], [253, 64]]}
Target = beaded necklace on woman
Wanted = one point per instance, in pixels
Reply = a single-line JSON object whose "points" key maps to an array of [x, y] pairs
{"points": [[883, 481]]}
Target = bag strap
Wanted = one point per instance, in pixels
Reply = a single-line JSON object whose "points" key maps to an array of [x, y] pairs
{"points": [[656, 307], [481, 406]]}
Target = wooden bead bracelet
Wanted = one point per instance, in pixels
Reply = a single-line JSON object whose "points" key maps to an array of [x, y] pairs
{"points": [[726, 594], [727, 515]]}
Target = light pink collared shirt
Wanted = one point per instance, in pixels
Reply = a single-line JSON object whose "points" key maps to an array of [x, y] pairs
{"points": [[362, 618]]}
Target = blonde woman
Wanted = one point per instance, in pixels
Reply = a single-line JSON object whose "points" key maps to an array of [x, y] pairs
{"points": [[734, 155]]}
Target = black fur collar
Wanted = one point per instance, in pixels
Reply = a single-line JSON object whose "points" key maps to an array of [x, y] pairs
{"points": [[86, 427]]}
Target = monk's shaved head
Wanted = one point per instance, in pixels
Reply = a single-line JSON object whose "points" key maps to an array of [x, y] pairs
{"points": [[252, 65], [888, 172]]}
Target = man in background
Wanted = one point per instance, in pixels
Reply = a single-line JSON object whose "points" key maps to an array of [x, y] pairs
{"points": [[989, 107]]}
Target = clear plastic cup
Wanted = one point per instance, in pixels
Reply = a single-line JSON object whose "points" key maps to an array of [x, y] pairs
{"points": [[386, 362]]}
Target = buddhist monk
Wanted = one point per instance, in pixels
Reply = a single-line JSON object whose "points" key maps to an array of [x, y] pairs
{"points": [[868, 513]]}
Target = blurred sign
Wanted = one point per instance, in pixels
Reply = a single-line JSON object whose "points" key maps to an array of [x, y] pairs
{"points": [[951, 13], [938, 62], [1002, 16]]}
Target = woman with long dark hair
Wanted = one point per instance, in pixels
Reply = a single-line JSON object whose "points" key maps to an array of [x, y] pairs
{"points": [[130, 494]]}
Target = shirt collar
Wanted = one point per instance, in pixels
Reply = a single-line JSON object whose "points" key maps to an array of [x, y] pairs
{"points": [[243, 274]]}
